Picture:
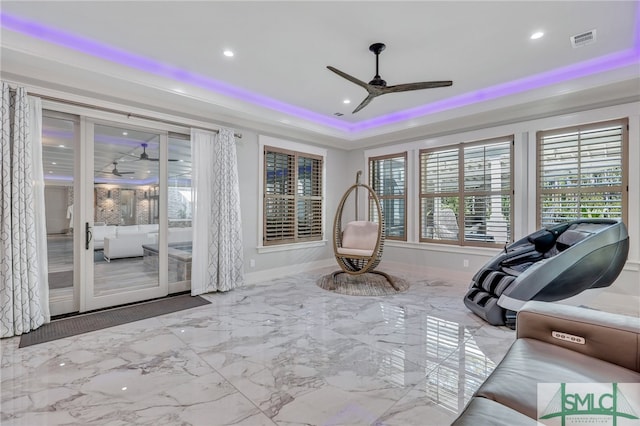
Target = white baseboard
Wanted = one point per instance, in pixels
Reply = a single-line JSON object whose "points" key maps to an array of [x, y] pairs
{"points": [[270, 274]]}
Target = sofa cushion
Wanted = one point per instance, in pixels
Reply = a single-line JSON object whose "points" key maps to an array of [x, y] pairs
{"points": [[100, 232], [148, 227], [127, 229], [482, 411], [514, 382]]}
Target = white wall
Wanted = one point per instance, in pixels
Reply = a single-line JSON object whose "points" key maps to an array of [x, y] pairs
{"points": [[278, 261]]}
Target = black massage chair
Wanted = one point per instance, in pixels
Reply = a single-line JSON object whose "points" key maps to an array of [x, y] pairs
{"points": [[549, 265]]}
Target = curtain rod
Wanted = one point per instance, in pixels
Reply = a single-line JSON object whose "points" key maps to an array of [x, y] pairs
{"points": [[128, 114]]}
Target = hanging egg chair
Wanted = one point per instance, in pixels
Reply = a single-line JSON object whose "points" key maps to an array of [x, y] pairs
{"points": [[358, 244]]}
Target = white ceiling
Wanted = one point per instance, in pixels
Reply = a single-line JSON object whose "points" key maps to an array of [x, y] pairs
{"points": [[278, 77]]}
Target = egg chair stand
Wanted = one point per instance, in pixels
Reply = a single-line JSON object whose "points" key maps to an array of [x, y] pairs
{"points": [[358, 244]]}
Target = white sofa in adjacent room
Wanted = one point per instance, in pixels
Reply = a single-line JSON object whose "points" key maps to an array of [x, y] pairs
{"points": [[127, 241], [127, 245]]}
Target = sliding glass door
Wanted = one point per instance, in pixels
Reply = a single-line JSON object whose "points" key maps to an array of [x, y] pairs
{"points": [[118, 201]]}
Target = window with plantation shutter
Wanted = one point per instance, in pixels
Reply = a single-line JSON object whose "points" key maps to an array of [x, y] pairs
{"points": [[581, 173], [466, 193], [387, 177], [292, 197]]}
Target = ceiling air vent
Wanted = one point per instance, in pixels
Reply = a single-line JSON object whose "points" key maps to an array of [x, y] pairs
{"points": [[583, 39]]}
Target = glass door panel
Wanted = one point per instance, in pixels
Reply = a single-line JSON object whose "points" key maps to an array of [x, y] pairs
{"points": [[179, 213], [127, 256], [59, 135]]}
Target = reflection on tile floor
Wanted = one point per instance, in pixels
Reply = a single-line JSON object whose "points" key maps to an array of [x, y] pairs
{"points": [[279, 353]]}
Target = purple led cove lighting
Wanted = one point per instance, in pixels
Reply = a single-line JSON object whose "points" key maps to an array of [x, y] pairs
{"points": [[571, 72], [103, 51], [93, 48]]}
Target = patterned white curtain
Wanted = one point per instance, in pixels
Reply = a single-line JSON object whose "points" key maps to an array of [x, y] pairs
{"points": [[217, 260], [24, 294]]}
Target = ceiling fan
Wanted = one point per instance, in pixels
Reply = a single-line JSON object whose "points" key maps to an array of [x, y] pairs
{"points": [[116, 172], [145, 156], [378, 86]]}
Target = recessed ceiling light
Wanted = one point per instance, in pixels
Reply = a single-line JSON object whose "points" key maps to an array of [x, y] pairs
{"points": [[346, 101], [53, 162], [536, 35], [228, 53], [60, 146], [124, 133]]}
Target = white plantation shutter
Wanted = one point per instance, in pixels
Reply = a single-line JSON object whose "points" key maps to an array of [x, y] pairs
{"points": [[581, 173]]}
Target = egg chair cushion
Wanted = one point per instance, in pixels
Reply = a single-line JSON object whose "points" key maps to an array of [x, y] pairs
{"points": [[360, 235]]}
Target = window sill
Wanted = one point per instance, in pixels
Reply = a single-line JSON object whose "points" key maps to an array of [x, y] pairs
{"points": [[445, 248], [292, 246]]}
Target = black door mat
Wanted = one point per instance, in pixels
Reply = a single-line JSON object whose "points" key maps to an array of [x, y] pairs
{"points": [[80, 324]]}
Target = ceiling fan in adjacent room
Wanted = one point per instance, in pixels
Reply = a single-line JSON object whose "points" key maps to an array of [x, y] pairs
{"points": [[145, 156], [117, 172], [378, 86]]}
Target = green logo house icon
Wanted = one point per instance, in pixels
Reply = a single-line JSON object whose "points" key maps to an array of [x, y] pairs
{"points": [[589, 403]]}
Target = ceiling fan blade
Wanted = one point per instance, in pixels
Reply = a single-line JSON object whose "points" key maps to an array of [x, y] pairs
{"points": [[129, 155], [416, 86], [364, 103], [349, 77]]}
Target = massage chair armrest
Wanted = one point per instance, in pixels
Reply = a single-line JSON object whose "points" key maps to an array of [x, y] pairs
{"points": [[610, 337]]}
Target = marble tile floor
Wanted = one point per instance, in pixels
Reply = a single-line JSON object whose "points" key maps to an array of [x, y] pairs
{"points": [[283, 352]]}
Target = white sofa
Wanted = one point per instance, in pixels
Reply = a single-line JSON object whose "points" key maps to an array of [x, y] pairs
{"points": [[127, 241], [180, 235], [127, 245], [100, 232]]}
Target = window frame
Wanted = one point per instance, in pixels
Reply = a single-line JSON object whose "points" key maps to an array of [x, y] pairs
{"points": [[294, 196], [580, 189], [461, 193], [370, 161]]}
